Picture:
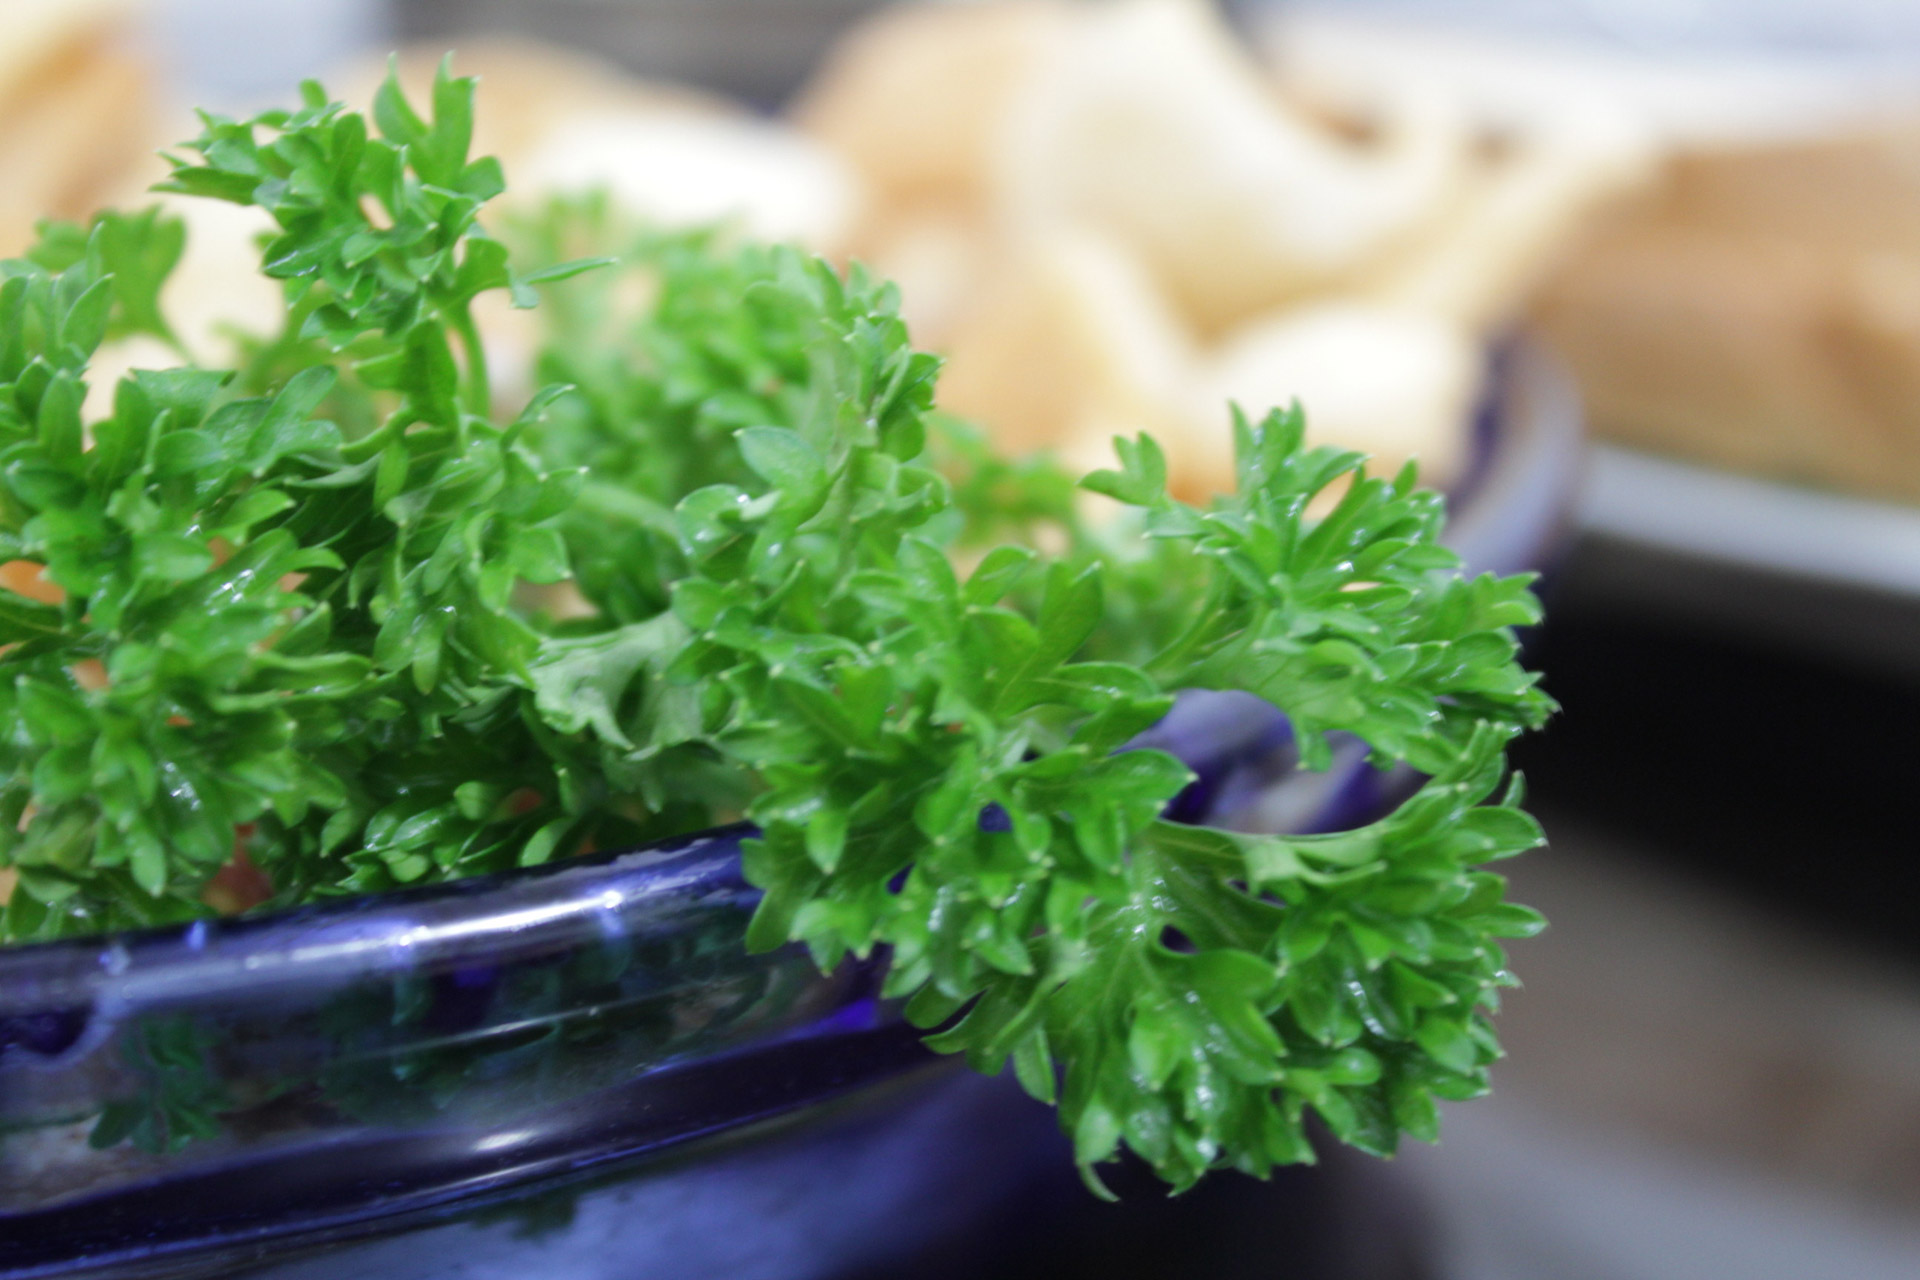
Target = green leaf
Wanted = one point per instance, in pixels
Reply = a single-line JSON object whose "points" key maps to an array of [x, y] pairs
{"points": [[1033, 1066], [567, 270], [788, 463], [581, 683], [541, 844], [393, 113], [22, 619], [171, 557], [1096, 1134], [997, 573]]}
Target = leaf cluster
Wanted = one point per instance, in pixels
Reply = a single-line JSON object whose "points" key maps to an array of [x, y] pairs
{"points": [[941, 758], [256, 626], [313, 605]]}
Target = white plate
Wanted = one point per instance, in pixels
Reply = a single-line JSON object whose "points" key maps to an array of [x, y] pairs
{"points": [[1714, 515]]}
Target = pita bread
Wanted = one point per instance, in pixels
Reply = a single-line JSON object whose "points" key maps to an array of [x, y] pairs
{"points": [[1154, 126], [1070, 341], [75, 112], [561, 121], [527, 90], [39, 39], [1395, 383], [916, 98]]}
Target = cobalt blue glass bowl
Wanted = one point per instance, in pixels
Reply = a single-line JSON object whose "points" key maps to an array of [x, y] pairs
{"points": [[578, 1070]]}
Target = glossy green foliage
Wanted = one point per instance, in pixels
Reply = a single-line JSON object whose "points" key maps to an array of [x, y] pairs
{"points": [[1187, 991], [661, 390], [312, 587], [304, 637], [1198, 987]]}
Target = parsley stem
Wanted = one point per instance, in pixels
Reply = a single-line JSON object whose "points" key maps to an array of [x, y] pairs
{"points": [[479, 391], [1170, 663]]}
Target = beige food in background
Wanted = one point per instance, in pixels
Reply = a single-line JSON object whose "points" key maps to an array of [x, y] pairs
{"points": [[563, 122], [1479, 263], [1107, 214], [1398, 379], [916, 97], [1152, 124], [1761, 310], [1756, 305], [1068, 341], [682, 170], [940, 255], [1265, 253], [73, 105]]}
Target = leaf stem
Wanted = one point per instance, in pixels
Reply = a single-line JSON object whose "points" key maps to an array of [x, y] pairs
{"points": [[478, 389]]}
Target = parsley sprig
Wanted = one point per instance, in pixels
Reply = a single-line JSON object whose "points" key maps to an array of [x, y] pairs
{"points": [[271, 628], [1185, 990], [308, 589]]}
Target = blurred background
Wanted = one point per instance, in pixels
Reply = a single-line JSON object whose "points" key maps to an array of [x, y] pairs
{"points": [[1112, 216]]}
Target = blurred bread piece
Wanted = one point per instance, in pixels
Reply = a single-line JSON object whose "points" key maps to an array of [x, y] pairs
{"points": [[1154, 125], [75, 110], [937, 253], [681, 170], [916, 97], [213, 298], [528, 89], [1761, 311], [216, 291], [1394, 382], [1858, 190], [564, 122], [1756, 305], [1112, 222], [1530, 200], [1069, 343], [43, 37]]}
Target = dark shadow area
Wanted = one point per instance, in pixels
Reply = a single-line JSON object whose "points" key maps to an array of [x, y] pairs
{"points": [[1349, 1218], [1784, 774]]}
